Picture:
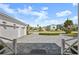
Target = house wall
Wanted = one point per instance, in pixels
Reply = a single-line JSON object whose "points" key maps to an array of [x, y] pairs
{"points": [[11, 32], [53, 27], [21, 31]]}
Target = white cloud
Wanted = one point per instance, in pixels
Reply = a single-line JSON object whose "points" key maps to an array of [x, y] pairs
{"points": [[41, 16], [75, 4], [45, 8], [21, 20], [55, 21], [75, 19], [6, 8], [30, 8], [25, 10], [63, 13], [61, 20]]}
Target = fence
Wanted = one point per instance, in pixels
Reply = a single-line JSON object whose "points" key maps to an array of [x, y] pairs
{"points": [[65, 43], [14, 43]]}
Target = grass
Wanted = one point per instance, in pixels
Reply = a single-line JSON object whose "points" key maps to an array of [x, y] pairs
{"points": [[51, 33], [73, 34]]}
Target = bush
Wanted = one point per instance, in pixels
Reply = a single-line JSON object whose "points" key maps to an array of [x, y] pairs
{"points": [[49, 33], [68, 31]]}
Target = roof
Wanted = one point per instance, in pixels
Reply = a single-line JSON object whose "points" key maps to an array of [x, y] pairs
{"points": [[10, 19]]}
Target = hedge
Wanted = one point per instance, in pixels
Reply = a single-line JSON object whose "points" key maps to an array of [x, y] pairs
{"points": [[49, 33], [58, 33]]}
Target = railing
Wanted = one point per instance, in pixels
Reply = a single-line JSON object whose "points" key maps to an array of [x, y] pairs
{"points": [[64, 48], [14, 43]]}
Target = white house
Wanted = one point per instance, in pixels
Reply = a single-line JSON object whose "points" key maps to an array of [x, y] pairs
{"points": [[10, 27], [53, 27]]}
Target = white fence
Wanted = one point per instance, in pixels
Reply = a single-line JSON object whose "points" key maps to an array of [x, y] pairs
{"points": [[65, 43], [12, 50]]}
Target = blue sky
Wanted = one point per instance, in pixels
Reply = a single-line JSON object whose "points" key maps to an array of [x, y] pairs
{"points": [[41, 13]]}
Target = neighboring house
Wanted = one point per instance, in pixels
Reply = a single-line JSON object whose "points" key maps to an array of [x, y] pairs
{"points": [[50, 27], [10, 27], [60, 26], [43, 28], [53, 27]]}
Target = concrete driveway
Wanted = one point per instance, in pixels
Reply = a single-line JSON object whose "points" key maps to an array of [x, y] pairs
{"points": [[42, 39]]}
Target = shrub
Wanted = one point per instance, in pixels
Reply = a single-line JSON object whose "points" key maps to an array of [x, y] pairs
{"points": [[68, 31], [49, 33]]}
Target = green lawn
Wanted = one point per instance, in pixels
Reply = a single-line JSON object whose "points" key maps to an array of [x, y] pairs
{"points": [[74, 33], [51, 33]]}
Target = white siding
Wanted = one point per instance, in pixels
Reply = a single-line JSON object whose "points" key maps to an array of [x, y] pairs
{"points": [[10, 32], [21, 32]]}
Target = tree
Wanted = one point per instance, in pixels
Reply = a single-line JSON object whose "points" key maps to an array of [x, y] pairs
{"points": [[37, 25], [47, 28], [27, 29], [75, 27], [68, 25], [40, 28]]}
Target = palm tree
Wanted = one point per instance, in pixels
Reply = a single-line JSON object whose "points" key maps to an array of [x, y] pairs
{"points": [[68, 25], [38, 27]]}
